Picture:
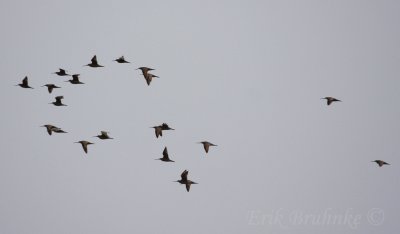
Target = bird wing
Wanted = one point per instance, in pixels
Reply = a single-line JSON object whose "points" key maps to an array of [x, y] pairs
{"points": [[206, 146], [184, 175], [94, 59], [104, 133], [329, 101], [188, 186], [165, 153], [148, 79], [50, 88], [49, 127], [25, 81], [75, 77], [62, 70], [58, 98], [158, 131], [84, 146]]}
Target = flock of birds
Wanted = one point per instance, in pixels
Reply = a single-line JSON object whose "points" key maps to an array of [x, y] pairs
{"points": [[158, 129], [104, 134]]}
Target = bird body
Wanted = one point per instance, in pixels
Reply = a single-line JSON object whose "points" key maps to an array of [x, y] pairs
{"points": [[58, 101], [165, 157], [207, 145], [381, 163], [158, 129], [24, 83], [103, 135], [94, 62], [184, 180], [85, 145], [329, 100], [75, 79], [61, 72], [121, 60], [51, 128], [50, 87]]}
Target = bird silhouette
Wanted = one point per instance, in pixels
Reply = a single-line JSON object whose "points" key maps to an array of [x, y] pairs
{"points": [[75, 79], [184, 180], [85, 145], [50, 87], [165, 157], [58, 101], [121, 60], [94, 62], [61, 72], [206, 145], [329, 100], [103, 135], [24, 83], [51, 128], [158, 129], [381, 163]]}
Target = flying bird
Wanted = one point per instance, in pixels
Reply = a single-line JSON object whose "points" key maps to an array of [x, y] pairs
{"points": [[121, 60], [381, 163], [184, 180], [329, 100], [24, 83], [61, 72], [50, 87], [103, 135], [51, 128], [165, 157], [75, 79], [58, 101], [85, 145], [94, 62], [206, 145], [158, 129]]}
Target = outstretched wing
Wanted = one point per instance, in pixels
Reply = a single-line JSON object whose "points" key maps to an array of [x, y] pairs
{"points": [[84, 146], [165, 153], [75, 77], [94, 60], [58, 98], [184, 175], [25, 81], [188, 186]]}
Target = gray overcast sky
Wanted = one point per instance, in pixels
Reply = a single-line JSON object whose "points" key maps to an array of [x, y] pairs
{"points": [[245, 75]]}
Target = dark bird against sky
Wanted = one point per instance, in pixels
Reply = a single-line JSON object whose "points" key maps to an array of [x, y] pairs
{"points": [[184, 180], [24, 83]]}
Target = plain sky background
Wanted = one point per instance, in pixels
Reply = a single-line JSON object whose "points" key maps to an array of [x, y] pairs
{"points": [[245, 75]]}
